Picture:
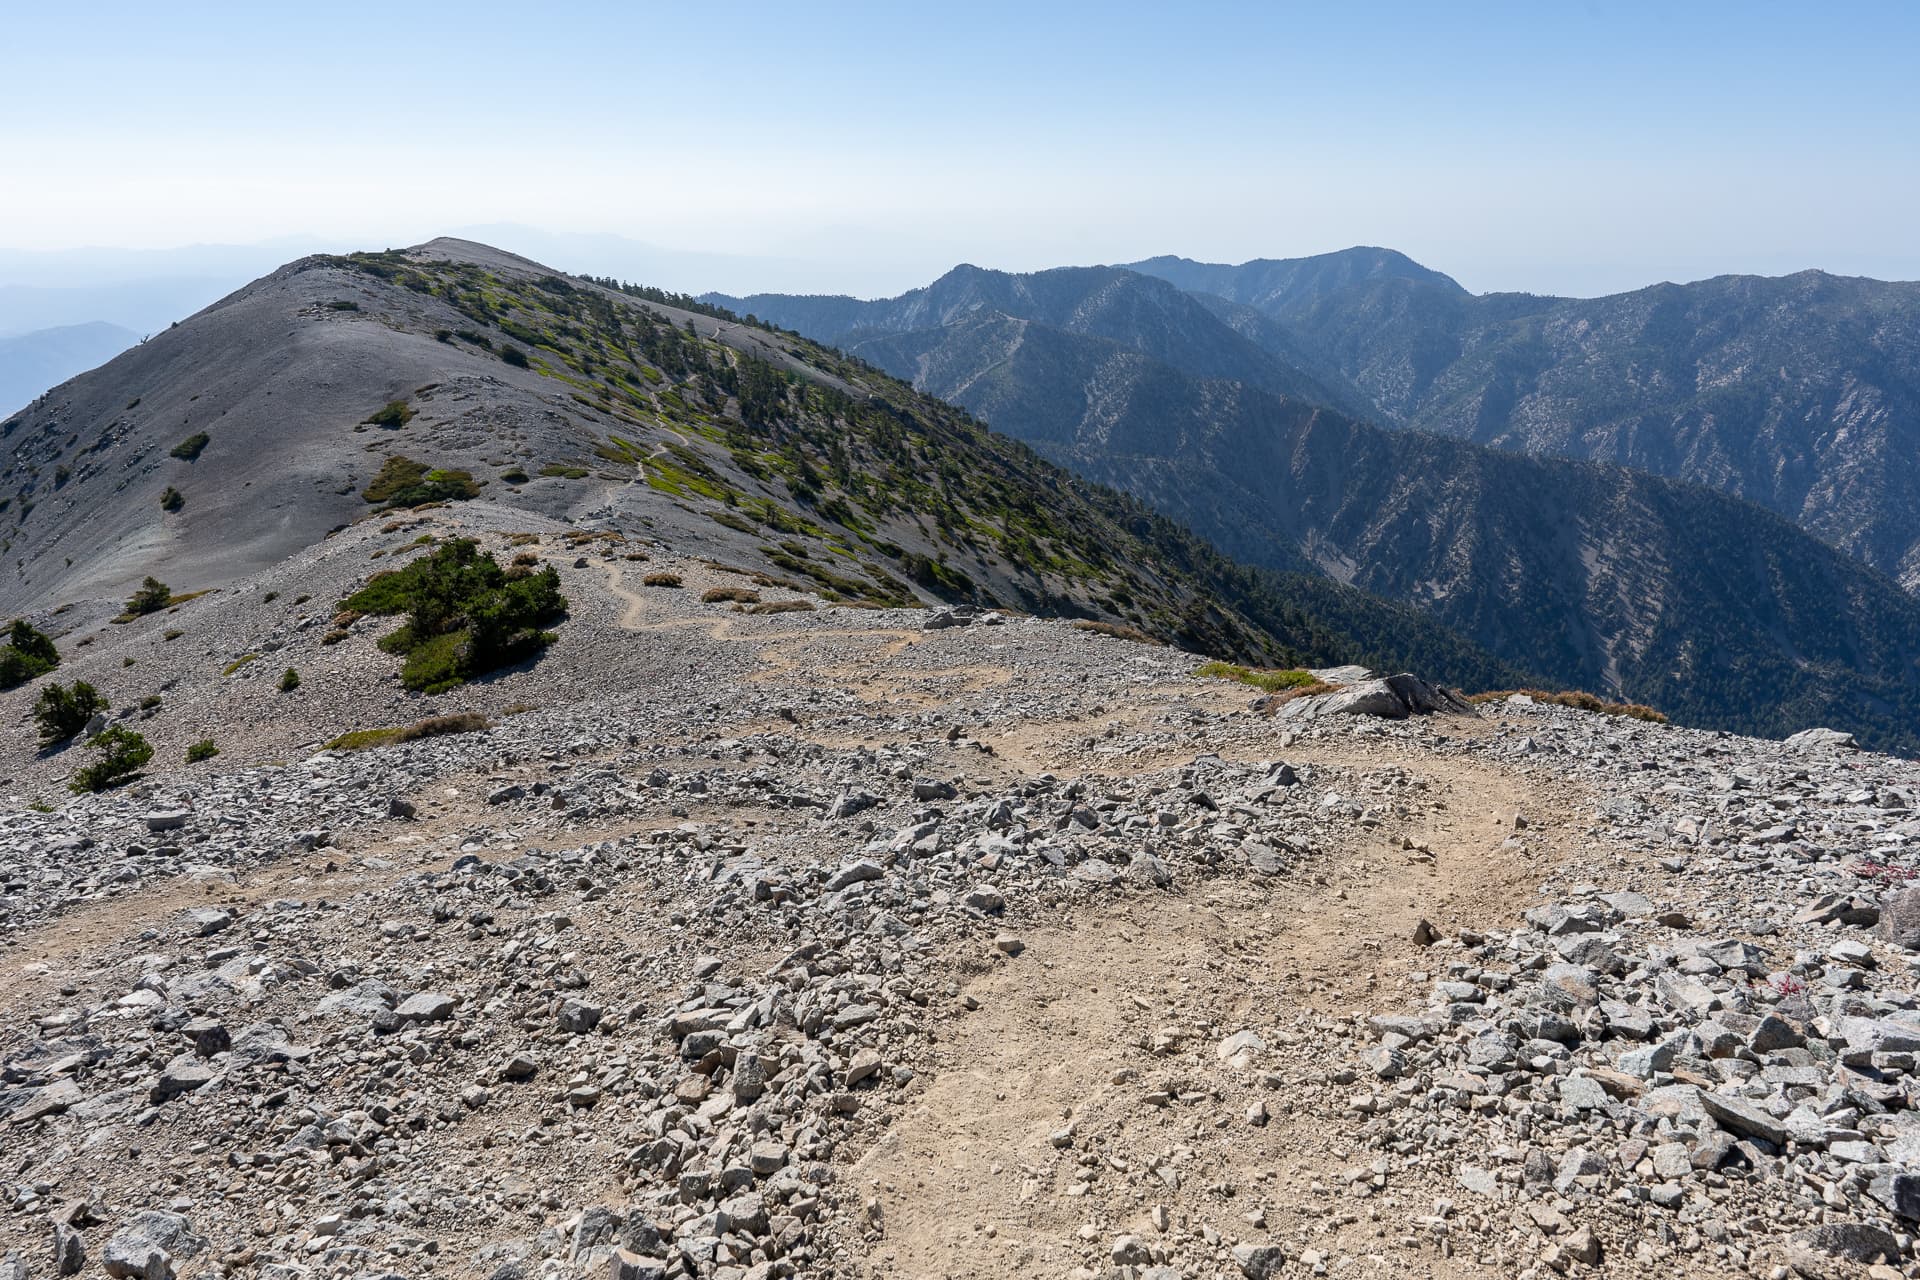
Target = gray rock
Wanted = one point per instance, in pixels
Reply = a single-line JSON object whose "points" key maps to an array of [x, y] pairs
{"points": [[1390, 698], [69, 1250], [1861, 1243], [578, 1017], [182, 1075], [1814, 741], [149, 1246], [1744, 1117], [855, 873], [207, 921], [1900, 919], [425, 1006], [1259, 1261]]}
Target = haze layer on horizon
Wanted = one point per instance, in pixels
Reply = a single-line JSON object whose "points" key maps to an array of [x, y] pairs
{"points": [[864, 148]]}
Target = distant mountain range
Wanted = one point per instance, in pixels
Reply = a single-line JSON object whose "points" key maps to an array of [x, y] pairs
{"points": [[30, 363], [1800, 393], [1599, 576]]}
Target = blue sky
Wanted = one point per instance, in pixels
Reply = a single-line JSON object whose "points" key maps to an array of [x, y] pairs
{"points": [[1571, 148]]}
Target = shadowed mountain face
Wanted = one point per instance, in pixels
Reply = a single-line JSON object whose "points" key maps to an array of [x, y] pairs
{"points": [[339, 386], [30, 363], [1600, 577], [1800, 393]]}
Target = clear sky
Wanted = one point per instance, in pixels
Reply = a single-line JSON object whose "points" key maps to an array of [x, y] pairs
{"points": [[1556, 147]]}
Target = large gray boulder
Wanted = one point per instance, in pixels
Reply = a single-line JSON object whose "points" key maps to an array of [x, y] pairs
{"points": [[149, 1246], [1389, 697], [1808, 741]]}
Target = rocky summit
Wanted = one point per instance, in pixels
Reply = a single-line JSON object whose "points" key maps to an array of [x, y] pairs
{"points": [[731, 942]]}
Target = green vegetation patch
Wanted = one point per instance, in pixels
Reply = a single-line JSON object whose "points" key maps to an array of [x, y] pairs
{"points": [[28, 653], [564, 471], [431, 727], [402, 482], [189, 449], [119, 753], [395, 413], [62, 712], [1271, 681], [466, 615], [153, 596]]}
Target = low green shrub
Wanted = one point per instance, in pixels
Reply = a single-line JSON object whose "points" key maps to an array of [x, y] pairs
{"points": [[28, 653], [189, 449], [465, 614], [121, 752], [402, 482], [172, 500], [395, 413], [202, 750], [1269, 680], [62, 712], [153, 596], [289, 680]]}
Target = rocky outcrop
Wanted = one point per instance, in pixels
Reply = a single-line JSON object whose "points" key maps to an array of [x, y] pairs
{"points": [[1388, 697]]}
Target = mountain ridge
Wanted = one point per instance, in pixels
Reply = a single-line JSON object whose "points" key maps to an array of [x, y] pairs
{"points": [[1577, 569], [571, 398]]}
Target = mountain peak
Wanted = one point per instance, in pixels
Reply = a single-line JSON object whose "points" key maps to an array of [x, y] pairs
{"points": [[1281, 285]]}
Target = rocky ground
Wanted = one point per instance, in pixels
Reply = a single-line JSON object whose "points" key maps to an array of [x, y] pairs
{"points": [[820, 943]]}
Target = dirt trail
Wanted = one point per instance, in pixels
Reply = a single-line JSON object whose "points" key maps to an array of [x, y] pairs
{"points": [[969, 1181], [780, 655]]}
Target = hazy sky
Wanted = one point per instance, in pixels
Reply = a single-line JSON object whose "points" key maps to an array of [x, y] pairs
{"points": [[1556, 147]]}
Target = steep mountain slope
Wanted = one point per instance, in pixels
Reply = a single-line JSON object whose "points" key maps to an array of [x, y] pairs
{"points": [[340, 385], [1800, 393], [1599, 577], [30, 363], [1134, 310]]}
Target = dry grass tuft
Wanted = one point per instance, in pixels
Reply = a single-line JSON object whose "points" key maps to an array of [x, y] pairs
{"points": [[1116, 630], [1580, 700], [431, 727]]}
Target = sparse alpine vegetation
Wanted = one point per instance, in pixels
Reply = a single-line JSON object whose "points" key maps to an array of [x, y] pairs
{"points": [[189, 449], [395, 413], [431, 727], [1575, 698], [402, 482], [153, 596], [28, 653], [119, 752], [63, 711], [1268, 681], [465, 614]]}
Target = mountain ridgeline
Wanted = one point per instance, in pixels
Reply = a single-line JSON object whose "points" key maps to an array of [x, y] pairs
{"points": [[337, 387], [1598, 576]]}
